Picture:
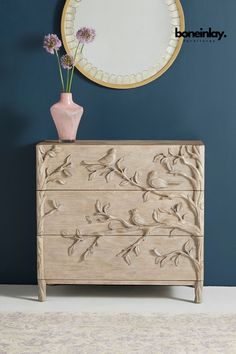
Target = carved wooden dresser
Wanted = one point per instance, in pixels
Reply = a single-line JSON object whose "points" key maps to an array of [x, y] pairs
{"points": [[120, 212]]}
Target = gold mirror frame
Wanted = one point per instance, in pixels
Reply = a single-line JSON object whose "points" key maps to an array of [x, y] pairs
{"points": [[181, 27]]}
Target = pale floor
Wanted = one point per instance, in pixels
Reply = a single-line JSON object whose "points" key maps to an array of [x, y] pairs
{"points": [[136, 299]]}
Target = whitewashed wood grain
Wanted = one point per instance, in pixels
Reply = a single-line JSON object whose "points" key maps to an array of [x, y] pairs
{"points": [[76, 209], [136, 159], [137, 183], [104, 264]]}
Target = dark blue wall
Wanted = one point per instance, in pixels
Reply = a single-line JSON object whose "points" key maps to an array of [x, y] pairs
{"points": [[195, 99]]}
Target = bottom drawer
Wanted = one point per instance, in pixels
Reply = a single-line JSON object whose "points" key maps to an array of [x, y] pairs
{"points": [[126, 258]]}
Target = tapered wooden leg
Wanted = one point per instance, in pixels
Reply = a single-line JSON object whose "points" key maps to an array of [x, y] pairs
{"points": [[42, 290], [198, 292]]}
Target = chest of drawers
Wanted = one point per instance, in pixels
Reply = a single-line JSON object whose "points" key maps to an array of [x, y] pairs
{"points": [[120, 212]]}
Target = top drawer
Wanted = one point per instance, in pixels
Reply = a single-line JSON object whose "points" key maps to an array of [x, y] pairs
{"points": [[148, 166]]}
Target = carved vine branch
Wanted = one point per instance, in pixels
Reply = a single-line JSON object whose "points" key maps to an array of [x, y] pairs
{"points": [[174, 256], [189, 156], [77, 238], [161, 218], [133, 248], [53, 206], [57, 174], [170, 219], [164, 219], [109, 166]]}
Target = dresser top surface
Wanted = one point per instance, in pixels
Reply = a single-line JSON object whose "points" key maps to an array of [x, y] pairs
{"points": [[124, 142]]}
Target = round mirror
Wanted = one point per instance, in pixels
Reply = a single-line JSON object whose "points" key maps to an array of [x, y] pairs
{"points": [[135, 39]]}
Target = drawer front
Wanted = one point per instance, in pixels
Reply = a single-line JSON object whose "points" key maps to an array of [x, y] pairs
{"points": [[123, 258], [119, 213], [120, 167]]}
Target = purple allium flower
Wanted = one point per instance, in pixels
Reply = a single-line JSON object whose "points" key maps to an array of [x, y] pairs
{"points": [[85, 35], [67, 61], [51, 43]]}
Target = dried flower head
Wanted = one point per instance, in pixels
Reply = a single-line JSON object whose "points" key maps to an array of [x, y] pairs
{"points": [[85, 35], [51, 43], [67, 61]]}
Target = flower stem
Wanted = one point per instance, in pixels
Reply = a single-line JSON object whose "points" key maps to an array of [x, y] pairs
{"points": [[72, 71], [59, 66], [67, 81]]}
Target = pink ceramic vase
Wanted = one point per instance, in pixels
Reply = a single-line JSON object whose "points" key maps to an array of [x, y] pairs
{"points": [[66, 115]]}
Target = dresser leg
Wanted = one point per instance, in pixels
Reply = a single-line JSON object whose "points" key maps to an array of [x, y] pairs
{"points": [[42, 290], [198, 292]]}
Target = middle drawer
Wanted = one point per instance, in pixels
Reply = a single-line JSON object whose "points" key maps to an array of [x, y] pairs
{"points": [[119, 212]]}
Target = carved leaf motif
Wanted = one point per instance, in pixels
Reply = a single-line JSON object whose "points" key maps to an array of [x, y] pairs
{"points": [[146, 196], [109, 176], [106, 207], [67, 173], [178, 207], [157, 157], [60, 181], [136, 177], [157, 253], [92, 175], [168, 165], [124, 183], [55, 204], [42, 150], [177, 261], [72, 248], [186, 246], [98, 206], [137, 250], [52, 154], [175, 160], [56, 148], [163, 261], [85, 255], [127, 259], [155, 216], [164, 211]]}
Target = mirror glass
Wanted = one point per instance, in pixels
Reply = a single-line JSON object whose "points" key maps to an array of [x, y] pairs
{"points": [[135, 39]]}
